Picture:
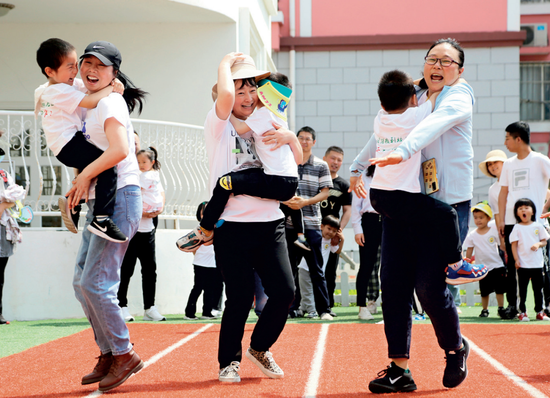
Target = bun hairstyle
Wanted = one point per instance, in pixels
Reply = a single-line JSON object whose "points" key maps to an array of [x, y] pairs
{"points": [[152, 154]]}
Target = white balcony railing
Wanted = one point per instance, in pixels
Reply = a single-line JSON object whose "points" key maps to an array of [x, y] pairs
{"points": [[182, 153]]}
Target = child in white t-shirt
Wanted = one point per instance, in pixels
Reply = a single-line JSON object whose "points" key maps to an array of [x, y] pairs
{"points": [[483, 242], [279, 177], [60, 102], [527, 237], [329, 229], [149, 179], [395, 189]]}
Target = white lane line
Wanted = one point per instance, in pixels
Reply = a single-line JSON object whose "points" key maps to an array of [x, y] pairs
{"points": [[532, 391], [317, 363], [165, 352]]}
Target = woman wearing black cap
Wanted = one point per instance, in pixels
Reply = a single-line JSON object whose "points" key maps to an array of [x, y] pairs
{"points": [[97, 272]]}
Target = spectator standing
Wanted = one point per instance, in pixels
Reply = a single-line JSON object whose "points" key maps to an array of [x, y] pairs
{"points": [[339, 198], [313, 187]]}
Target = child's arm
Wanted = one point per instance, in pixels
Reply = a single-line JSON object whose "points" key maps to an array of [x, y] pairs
{"points": [[91, 100], [240, 126], [469, 252], [297, 151], [538, 245], [341, 236], [515, 253]]}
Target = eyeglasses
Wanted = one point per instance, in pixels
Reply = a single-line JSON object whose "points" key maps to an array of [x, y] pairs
{"points": [[445, 62]]}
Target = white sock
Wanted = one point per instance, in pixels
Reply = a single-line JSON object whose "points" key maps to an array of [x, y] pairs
{"points": [[456, 266]]}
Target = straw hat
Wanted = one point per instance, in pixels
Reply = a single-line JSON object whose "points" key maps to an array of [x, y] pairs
{"points": [[243, 69], [494, 156]]}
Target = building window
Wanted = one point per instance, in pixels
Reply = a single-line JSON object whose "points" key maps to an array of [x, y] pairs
{"points": [[534, 1], [535, 92], [21, 177], [48, 178]]}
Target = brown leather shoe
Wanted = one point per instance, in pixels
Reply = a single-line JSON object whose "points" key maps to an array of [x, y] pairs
{"points": [[101, 369], [123, 367]]}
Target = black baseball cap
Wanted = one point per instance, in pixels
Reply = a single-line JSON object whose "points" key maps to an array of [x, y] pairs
{"points": [[104, 51]]}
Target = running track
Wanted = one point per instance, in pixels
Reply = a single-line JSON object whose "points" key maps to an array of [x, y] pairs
{"points": [[320, 360]]}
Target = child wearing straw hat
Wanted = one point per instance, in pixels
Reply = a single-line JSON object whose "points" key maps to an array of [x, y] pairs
{"points": [[484, 241], [492, 167]]}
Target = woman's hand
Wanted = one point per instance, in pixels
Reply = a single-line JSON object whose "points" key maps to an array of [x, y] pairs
{"points": [[356, 185], [152, 214], [80, 189], [388, 160], [360, 239], [278, 137]]}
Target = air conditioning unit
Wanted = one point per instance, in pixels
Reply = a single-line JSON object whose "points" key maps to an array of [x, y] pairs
{"points": [[537, 35]]}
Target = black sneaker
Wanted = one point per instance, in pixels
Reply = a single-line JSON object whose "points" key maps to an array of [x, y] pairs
{"points": [[70, 216], [511, 313], [332, 314], [484, 314], [107, 229], [392, 379], [547, 312], [456, 369], [502, 313]]}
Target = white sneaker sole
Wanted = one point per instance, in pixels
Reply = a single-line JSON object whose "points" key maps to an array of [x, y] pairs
{"points": [[67, 219], [265, 371], [147, 318]]}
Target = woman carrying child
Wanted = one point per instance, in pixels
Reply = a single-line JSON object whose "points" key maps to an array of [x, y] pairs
{"points": [[110, 129], [142, 245]]}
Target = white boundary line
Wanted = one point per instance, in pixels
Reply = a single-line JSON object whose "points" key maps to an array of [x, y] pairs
{"points": [[317, 363], [532, 391], [165, 352]]}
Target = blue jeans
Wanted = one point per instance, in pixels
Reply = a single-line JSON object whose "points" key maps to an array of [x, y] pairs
{"points": [[97, 273]]}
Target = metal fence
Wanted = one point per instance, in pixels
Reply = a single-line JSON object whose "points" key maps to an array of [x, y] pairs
{"points": [[181, 149]]}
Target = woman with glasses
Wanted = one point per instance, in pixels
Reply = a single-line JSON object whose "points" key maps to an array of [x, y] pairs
{"points": [[415, 263]]}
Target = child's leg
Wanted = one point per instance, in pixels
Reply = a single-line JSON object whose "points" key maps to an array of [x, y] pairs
{"points": [[80, 153], [485, 302], [127, 270], [523, 282], [191, 307], [368, 253], [306, 288], [537, 282]]}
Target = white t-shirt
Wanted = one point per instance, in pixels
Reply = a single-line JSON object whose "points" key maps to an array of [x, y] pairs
{"points": [[205, 257], [93, 129], [226, 151], [61, 115], [326, 249], [526, 178], [485, 247], [527, 236], [390, 130], [279, 162], [494, 191], [360, 206], [151, 197]]}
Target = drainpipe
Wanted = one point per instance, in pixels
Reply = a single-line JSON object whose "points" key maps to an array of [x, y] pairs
{"points": [[292, 65]]}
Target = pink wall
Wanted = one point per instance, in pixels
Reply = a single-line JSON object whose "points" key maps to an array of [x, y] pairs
{"points": [[532, 54], [374, 17]]}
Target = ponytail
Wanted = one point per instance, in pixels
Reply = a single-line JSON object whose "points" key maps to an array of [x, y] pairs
{"points": [[133, 95], [152, 154]]}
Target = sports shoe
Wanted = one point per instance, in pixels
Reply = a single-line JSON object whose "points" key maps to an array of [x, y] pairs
{"points": [[332, 313], [541, 316], [230, 373], [392, 379], [3, 320], [456, 369], [122, 368], [502, 313], [511, 312], [547, 311], [419, 317], [311, 314], [523, 317], [371, 306], [265, 362], [107, 229], [70, 216], [126, 315], [302, 242], [466, 273], [208, 316], [326, 317], [101, 369], [153, 315], [484, 314], [365, 314], [189, 242], [190, 318]]}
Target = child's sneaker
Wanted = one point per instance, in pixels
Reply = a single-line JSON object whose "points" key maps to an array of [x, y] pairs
{"points": [[126, 315], [523, 317], [265, 362], [365, 314], [502, 313], [392, 379], [419, 317], [311, 314], [230, 373], [107, 229], [371, 306], [70, 216], [541, 316], [190, 318], [326, 317], [302, 242], [188, 243], [455, 370], [484, 314], [466, 273], [153, 315]]}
